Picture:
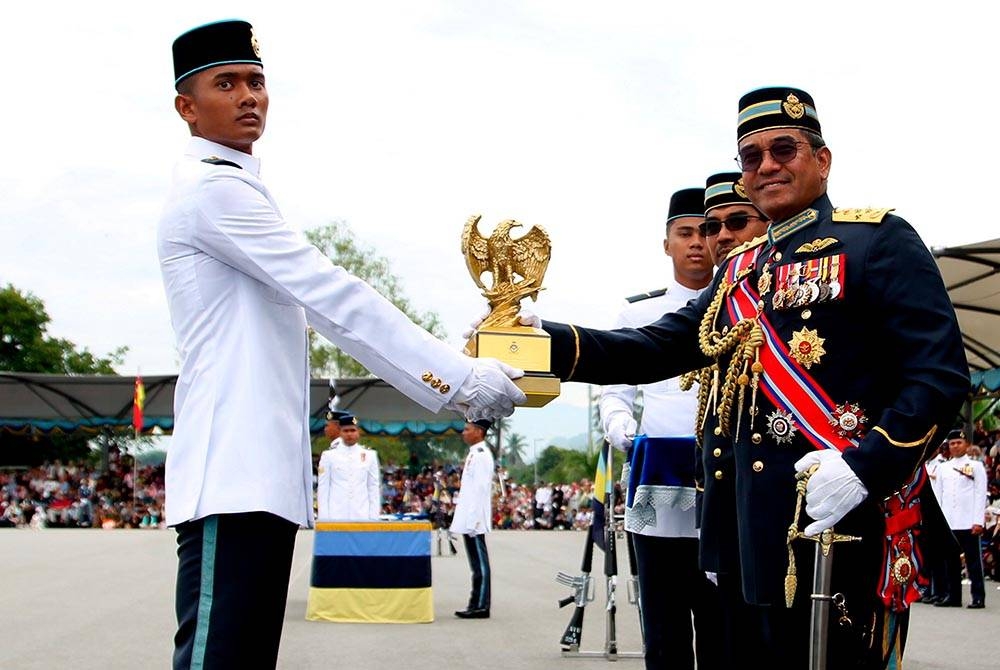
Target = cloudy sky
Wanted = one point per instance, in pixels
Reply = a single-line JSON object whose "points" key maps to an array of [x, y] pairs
{"points": [[404, 118]]}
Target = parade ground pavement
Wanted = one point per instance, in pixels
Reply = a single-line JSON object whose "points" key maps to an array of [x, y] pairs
{"points": [[103, 600]]}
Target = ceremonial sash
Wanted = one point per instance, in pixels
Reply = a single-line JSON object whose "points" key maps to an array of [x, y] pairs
{"points": [[784, 381], [902, 560]]}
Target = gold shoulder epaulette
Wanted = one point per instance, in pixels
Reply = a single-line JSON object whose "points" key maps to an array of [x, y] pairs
{"points": [[755, 242], [866, 215]]}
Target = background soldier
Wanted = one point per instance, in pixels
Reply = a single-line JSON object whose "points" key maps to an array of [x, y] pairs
{"points": [[660, 501], [960, 486], [474, 516], [350, 479], [730, 220]]}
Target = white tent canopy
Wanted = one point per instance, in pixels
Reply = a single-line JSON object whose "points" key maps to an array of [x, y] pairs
{"points": [[971, 273]]}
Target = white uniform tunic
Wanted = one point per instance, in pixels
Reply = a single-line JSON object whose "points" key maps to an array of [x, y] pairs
{"points": [[349, 486], [960, 487], [474, 506], [241, 285], [667, 412]]}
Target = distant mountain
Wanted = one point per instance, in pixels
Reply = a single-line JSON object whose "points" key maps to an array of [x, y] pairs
{"points": [[559, 423]]}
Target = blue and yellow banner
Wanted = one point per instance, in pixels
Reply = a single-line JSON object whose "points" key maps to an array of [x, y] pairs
{"points": [[371, 572]]}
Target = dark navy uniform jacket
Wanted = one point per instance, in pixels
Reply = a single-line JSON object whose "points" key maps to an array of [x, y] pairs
{"points": [[893, 348]]}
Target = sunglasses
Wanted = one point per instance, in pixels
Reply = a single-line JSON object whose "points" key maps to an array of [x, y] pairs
{"points": [[734, 223], [782, 151]]}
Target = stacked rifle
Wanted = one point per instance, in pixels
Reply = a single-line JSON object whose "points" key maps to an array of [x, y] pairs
{"points": [[584, 586]]}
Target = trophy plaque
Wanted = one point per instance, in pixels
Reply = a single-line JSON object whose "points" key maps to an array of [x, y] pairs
{"points": [[516, 266]]}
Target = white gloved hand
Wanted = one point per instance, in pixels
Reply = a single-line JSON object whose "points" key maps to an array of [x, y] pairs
{"points": [[620, 430], [474, 326], [524, 317], [488, 392], [833, 490]]}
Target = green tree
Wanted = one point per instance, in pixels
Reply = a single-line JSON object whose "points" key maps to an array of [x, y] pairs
{"points": [[338, 243], [26, 347]]}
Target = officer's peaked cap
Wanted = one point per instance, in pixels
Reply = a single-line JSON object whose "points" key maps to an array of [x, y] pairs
{"points": [[776, 107], [725, 188], [219, 43], [686, 202]]}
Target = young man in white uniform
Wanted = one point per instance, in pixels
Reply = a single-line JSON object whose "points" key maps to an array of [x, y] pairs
{"points": [[242, 285]]}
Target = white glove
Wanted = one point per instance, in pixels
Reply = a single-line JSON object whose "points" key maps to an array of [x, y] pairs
{"points": [[620, 430], [524, 317], [833, 490], [488, 392]]}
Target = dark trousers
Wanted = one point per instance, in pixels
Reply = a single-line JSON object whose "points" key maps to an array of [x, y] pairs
{"points": [[232, 585], [739, 625], [479, 562], [973, 551], [672, 588]]}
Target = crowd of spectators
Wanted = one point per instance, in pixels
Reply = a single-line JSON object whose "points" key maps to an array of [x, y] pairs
{"points": [[78, 495]]}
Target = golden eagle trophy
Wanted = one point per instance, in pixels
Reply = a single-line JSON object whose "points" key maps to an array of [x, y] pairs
{"points": [[516, 266]]}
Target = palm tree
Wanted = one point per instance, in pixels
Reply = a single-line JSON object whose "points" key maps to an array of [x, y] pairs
{"points": [[514, 451]]}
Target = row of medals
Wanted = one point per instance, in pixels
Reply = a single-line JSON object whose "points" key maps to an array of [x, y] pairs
{"points": [[806, 346]]}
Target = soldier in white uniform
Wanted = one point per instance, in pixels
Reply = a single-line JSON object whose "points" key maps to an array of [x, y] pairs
{"points": [[660, 510], [474, 516], [960, 487], [241, 285], [350, 486]]}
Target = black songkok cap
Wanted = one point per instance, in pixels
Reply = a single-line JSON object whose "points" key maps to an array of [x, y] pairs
{"points": [[335, 415], [725, 188], [485, 424], [348, 420], [957, 434], [776, 107], [687, 202], [214, 44]]}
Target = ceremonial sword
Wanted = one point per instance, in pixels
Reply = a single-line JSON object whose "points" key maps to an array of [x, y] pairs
{"points": [[822, 574]]}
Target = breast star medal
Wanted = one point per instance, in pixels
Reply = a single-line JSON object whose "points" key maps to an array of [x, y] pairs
{"points": [[781, 426], [848, 420], [806, 347]]}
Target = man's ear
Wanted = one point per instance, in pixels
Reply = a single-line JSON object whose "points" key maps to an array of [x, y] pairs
{"points": [[825, 159], [186, 108]]}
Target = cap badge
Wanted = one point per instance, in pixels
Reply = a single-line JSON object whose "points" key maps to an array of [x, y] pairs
{"points": [[806, 347], [781, 426], [254, 44], [739, 189], [793, 107]]}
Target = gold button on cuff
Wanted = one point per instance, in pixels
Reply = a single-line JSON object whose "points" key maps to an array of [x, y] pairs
{"points": [[435, 383], [718, 474], [758, 466], [427, 376], [716, 452], [445, 388]]}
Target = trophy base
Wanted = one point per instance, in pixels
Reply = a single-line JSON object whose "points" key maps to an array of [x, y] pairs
{"points": [[541, 388], [526, 349]]}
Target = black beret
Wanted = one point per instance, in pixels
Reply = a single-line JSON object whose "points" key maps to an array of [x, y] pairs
{"points": [[725, 188], [687, 202], [485, 424], [957, 434], [335, 415], [214, 44], [347, 419], [776, 107]]}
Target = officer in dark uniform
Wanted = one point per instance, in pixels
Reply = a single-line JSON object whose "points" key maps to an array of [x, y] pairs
{"points": [[831, 342], [730, 220]]}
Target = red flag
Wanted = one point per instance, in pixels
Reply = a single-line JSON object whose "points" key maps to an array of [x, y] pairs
{"points": [[138, 401]]}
